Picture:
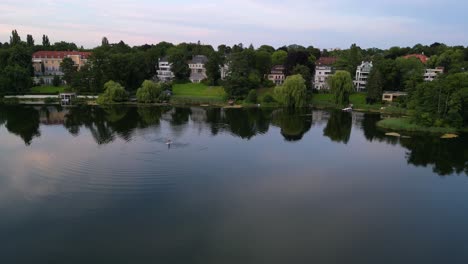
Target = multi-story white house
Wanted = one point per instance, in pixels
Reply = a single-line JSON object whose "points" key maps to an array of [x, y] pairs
{"points": [[277, 75], [164, 71], [431, 74], [323, 70], [197, 68], [362, 74]]}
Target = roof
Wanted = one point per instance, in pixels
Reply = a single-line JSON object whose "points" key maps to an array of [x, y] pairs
{"points": [[199, 59], [423, 58], [164, 59], [60, 54], [326, 61], [277, 69]]}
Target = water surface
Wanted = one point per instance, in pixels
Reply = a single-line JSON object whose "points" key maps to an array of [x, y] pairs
{"points": [[94, 185]]}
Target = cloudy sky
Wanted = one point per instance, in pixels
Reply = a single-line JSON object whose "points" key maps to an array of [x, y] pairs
{"points": [[321, 23]]}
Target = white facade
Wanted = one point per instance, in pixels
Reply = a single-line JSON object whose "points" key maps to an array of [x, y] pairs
{"points": [[431, 74], [277, 75], [362, 75], [224, 69], [197, 68], [164, 71], [322, 73]]}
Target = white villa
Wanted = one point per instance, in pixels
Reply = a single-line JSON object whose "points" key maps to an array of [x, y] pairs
{"points": [[277, 75], [164, 71], [197, 68], [362, 74], [323, 70], [431, 74]]}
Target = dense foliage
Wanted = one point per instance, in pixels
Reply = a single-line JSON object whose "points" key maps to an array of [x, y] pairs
{"points": [[293, 93], [113, 93], [341, 86], [149, 92]]}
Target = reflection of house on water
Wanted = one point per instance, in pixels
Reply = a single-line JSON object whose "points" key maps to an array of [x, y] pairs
{"points": [[52, 115]]}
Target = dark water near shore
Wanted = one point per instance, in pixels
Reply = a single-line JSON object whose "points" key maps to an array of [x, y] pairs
{"points": [[93, 185]]}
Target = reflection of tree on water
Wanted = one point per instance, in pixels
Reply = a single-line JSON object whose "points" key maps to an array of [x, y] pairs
{"points": [[372, 132], [445, 155], [338, 127], [246, 123], [22, 121], [150, 116], [294, 123]]}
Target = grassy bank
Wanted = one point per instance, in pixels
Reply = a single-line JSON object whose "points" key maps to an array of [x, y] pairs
{"points": [[48, 89], [198, 92], [404, 124]]}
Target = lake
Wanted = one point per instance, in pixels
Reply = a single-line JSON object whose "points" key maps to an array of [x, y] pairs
{"points": [[100, 185]]}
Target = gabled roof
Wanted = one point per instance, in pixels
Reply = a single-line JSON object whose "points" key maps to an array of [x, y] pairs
{"points": [[423, 58], [199, 59], [60, 54], [326, 61]]}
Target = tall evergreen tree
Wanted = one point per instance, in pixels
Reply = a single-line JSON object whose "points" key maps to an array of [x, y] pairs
{"points": [[15, 38], [45, 41], [30, 40]]}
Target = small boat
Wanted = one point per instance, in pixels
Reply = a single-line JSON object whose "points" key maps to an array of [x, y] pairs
{"points": [[348, 109]]}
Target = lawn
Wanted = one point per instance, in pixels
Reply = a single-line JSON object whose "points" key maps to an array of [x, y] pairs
{"points": [[198, 90], [358, 100], [46, 89], [197, 93]]}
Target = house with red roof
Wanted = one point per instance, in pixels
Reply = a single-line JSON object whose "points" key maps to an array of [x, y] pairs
{"points": [[46, 64]]}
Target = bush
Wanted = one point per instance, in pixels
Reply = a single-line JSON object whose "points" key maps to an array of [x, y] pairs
{"points": [[268, 99], [149, 92], [252, 97], [56, 81], [268, 83], [113, 92], [167, 86]]}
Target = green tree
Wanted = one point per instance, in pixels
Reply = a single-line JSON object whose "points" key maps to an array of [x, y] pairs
{"points": [[179, 67], [304, 71], [113, 92], [69, 69], [56, 81], [30, 40], [341, 86], [45, 41], [279, 57], [15, 38], [213, 72], [149, 92], [105, 42], [374, 86], [293, 93], [262, 62]]}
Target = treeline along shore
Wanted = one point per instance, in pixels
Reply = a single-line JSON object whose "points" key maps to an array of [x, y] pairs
{"points": [[428, 84]]}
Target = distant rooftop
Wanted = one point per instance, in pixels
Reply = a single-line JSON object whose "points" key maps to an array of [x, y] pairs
{"points": [[60, 54], [423, 58], [326, 61], [199, 59]]}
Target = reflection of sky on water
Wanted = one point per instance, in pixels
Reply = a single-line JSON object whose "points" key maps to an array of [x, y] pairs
{"points": [[217, 198]]}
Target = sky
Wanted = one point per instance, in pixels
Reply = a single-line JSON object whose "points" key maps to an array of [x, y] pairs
{"points": [[320, 23]]}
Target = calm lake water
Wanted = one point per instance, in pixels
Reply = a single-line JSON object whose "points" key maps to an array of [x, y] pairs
{"points": [[93, 185]]}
